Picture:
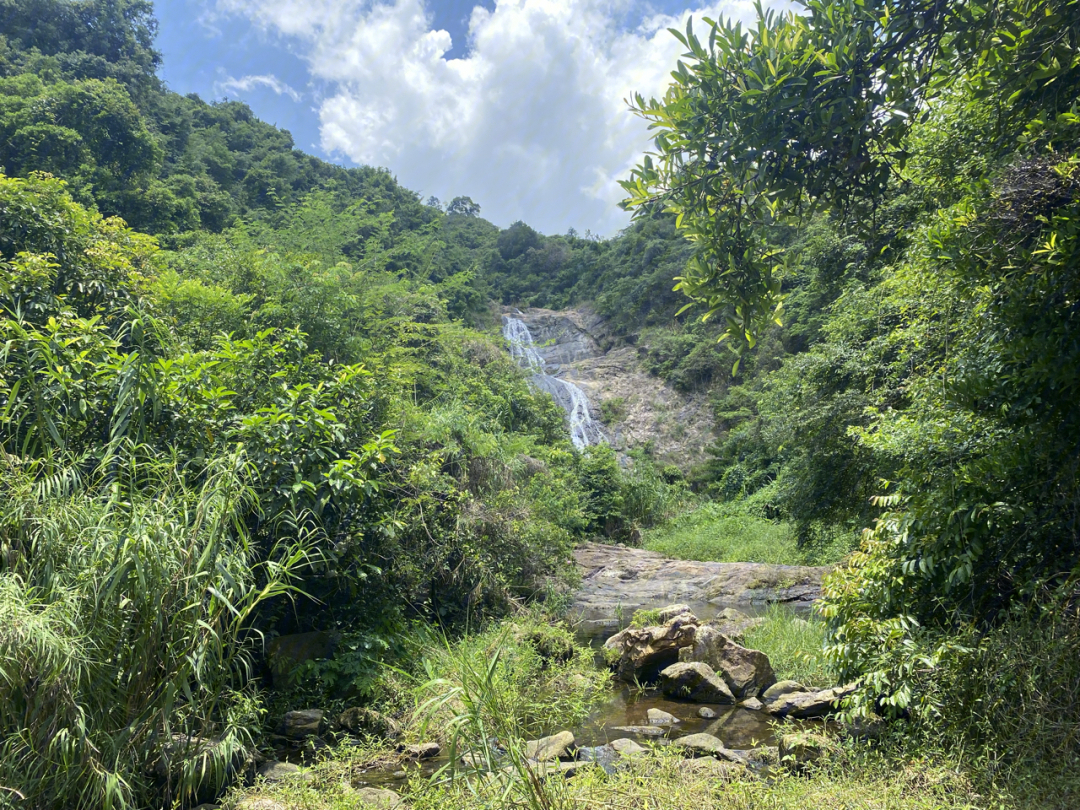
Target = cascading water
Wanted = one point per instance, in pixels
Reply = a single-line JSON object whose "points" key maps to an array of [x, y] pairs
{"points": [[584, 430]]}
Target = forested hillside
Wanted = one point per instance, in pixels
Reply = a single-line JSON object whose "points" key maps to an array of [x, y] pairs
{"points": [[246, 394]]}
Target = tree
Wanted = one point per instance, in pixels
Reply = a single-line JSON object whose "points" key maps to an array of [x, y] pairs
{"points": [[808, 110], [463, 206]]}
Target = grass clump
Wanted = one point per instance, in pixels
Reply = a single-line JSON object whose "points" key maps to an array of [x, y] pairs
{"points": [[794, 645], [732, 532]]}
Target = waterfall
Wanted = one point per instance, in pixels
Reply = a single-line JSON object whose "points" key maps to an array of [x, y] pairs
{"points": [[584, 430]]}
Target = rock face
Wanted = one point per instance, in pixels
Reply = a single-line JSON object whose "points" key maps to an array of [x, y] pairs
{"points": [[747, 672], [616, 578], [801, 705], [644, 651], [695, 681]]}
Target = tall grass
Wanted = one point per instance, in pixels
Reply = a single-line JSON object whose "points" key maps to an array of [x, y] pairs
{"points": [[732, 532], [124, 634], [794, 645]]}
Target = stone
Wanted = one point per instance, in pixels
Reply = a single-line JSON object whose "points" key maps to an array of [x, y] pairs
{"points": [[706, 713], [644, 651], [702, 745], [303, 723], [753, 704], [730, 615], [801, 705], [285, 653], [628, 748], [615, 577], [641, 731], [695, 681], [672, 611], [658, 717], [427, 750], [803, 747], [557, 746], [378, 797], [764, 755], [279, 771], [746, 672], [781, 688], [362, 721]]}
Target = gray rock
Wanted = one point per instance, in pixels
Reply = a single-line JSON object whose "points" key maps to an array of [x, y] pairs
{"points": [[641, 731], [628, 748], [802, 705], [426, 750], [702, 745], [730, 615], [279, 771], [753, 704], [363, 721], [658, 717], [644, 651], [671, 611], [556, 746], [695, 681], [706, 713], [304, 723], [746, 672], [378, 797], [781, 688]]}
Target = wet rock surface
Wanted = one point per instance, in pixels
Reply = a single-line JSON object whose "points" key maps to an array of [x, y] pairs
{"points": [[616, 579]]}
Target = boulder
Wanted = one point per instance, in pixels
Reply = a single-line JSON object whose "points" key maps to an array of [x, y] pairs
{"points": [[426, 750], [304, 723], [628, 748], [695, 681], [746, 672], [362, 721], [378, 797], [753, 704], [557, 746], [670, 612], [706, 713], [658, 717], [802, 705], [781, 688], [279, 771], [643, 651], [702, 745]]}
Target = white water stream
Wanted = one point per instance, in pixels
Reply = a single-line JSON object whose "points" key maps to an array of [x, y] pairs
{"points": [[584, 430]]}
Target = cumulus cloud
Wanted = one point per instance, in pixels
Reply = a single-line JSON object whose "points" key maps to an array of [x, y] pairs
{"points": [[531, 123], [247, 83]]}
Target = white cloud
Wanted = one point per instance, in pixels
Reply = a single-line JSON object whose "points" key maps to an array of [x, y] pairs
{"points": [[531, 124], [246, 83]]}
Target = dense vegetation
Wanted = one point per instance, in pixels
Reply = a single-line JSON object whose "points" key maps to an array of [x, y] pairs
{"points": [[244, 392]]}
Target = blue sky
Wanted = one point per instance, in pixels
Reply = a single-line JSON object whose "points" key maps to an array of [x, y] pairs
{"points": [[515, 103]]}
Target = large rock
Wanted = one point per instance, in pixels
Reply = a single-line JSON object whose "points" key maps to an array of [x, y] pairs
{"points": [[628, 748], [702, 745], [747, 673], [279, 771], [556, 746], [695, 681], [658, 717], [644, 651], [616, 577], [801, 705], [780, 689], [303, 723], [428, 750], [363, 721]]}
